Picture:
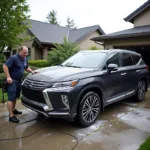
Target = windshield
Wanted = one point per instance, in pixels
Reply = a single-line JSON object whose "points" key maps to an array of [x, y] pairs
{"points": [[85, 60]]}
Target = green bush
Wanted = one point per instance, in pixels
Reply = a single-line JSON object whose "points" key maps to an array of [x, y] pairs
{"points": [[2, 76], [34, 67], [61, 52], [24, 76], [1, 67], [93, 47], [2, 57], [39, 63]]}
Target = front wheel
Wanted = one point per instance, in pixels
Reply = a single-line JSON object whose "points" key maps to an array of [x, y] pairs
{"points": [[89, 109], [141, 90]]}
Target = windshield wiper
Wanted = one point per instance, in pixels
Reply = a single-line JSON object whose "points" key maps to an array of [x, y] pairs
{"points": [[73, 66]]}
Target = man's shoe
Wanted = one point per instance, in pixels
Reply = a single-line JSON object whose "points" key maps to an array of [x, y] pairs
{"points": [[13, 119], [16, 112]]}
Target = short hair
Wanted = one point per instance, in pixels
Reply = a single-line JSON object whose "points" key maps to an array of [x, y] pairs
{"points": [[22, 47]]}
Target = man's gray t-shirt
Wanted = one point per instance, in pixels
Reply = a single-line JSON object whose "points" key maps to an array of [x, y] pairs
{"points": [[16, 66]]}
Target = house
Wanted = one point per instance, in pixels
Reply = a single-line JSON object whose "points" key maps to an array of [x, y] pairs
{"points": [[136, 38], [46, 35]]}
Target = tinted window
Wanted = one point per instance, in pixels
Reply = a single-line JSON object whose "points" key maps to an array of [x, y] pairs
{"points": [[85, 60], [114, 59], [142, 62], [127, 59], [136, 58]]}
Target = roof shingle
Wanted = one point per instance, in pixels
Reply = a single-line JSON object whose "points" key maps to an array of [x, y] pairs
{"points": [[48, 33]]}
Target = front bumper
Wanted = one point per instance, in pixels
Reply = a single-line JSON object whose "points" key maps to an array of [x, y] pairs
{"points": [[42, 108], [52, 103]]}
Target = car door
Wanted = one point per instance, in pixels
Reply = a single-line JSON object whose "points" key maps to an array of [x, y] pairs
{"points": [[112, 80], [128, 73]]}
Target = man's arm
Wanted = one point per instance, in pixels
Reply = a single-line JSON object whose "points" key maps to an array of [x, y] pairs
{"points": [[30, 70], [6, 71]]}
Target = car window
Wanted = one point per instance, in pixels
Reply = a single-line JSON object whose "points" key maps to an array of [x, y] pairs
{"points": [[127, 59], [136, 58], [114, 58]]}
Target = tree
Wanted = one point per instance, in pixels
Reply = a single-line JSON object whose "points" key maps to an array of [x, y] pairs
{"points": [[52, 17], [61, 52], [13, 15], [70, 23]]}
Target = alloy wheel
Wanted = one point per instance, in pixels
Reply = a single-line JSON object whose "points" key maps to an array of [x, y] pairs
{"points": [[91, 108], [141, 89]]}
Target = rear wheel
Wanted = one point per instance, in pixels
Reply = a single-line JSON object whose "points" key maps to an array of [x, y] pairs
{"points": [[89, 109], [141, 90]]}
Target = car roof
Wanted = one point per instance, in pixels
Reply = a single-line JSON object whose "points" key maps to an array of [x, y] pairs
{"points": [[111, 51]]}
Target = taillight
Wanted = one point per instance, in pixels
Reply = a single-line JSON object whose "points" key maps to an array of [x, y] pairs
{"points": [[147, 67]]}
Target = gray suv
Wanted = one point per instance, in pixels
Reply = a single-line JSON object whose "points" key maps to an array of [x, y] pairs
{"points": [[84, 84]]}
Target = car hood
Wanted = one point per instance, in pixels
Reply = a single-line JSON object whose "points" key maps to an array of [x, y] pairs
{"points": [[59, 73]]}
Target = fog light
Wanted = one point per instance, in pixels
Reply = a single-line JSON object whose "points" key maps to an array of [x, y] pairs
{"points": [[65, 100]]}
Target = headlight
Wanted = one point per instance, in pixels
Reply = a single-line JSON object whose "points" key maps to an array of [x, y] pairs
{"points": [[65, 84]]}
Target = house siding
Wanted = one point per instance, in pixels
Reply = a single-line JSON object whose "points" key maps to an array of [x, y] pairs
{"points": [[26, 43], [143, 18], [134, 42], [38, 54], [87, 43]]}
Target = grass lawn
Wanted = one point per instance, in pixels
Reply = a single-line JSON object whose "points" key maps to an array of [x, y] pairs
{"points": [[145, 145], [1, 97]]}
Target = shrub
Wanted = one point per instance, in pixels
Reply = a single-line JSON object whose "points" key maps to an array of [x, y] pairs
{"points": [[61, 52], [2, 57], [94, 48], [1, 67], [2, 76], [34, 67], [24, 75], [39, 63]]}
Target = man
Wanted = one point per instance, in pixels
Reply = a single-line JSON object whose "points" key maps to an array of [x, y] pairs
{"points": [[14, 69]]}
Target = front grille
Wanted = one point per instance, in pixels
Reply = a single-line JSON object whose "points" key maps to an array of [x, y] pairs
{"points": [[37, 85], [35, 95]]}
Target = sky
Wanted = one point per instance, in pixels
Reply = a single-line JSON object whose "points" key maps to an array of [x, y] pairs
{"points": [[108, 14]]}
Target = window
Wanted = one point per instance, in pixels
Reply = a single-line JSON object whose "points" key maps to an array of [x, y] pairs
{"points": [[127, 59], [136, 58], [142, 62], [114, 59]]}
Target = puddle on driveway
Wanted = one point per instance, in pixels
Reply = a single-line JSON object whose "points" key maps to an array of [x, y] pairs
{"points": [[119, 127]]}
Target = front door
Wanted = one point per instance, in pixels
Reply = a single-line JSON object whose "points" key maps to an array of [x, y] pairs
{"points": [[112, 80]]}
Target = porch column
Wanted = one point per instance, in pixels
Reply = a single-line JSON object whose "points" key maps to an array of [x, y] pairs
{"points": [[45, 52]]}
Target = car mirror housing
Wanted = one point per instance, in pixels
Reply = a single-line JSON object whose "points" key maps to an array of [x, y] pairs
{"points": [[112, 67]]}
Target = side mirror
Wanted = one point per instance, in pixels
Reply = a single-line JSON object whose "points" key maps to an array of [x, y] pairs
{"points": [[112, 67]]}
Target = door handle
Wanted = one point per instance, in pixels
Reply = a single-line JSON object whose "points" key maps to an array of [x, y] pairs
{"points": [[123, 74]]}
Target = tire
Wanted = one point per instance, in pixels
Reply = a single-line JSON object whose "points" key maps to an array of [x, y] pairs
{"points": [[141, 91], [88, 109]]}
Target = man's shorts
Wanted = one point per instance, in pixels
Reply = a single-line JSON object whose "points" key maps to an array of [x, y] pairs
{"points": [[13, 90]]}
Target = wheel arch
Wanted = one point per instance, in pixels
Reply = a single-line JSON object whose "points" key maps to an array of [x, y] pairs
{"points": [[94, 88], [145, 79]]}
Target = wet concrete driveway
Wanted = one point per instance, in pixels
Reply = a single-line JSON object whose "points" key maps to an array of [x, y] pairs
{"points": [[122, 126]]}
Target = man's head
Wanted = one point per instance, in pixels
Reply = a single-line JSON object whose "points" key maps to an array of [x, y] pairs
{"points": [[23, 52]]}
